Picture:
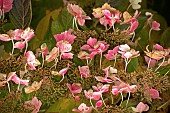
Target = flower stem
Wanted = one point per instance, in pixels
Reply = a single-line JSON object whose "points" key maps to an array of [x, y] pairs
{"points": [[160, 64], [103, 100], [150, 34], [128, 99], [149, 63], [12, 46], [122, 99], [100, 60], [128, 7], [26, 47]]}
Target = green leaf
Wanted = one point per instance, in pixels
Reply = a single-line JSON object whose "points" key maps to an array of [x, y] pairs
{"points": [[133, 65], [78, 61], [63, 105], [165, 38], [63, 22], [43, 27], [21, 13]]}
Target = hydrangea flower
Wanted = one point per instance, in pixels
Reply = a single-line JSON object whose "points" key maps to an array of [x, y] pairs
{"points": [[75, 88], [78, 14], [95, 47], [32, 62], [64, 41], [84, 71], [34, 87], [141, 107], [62, 72], [5, 6], [33, 104], [83, 109]]}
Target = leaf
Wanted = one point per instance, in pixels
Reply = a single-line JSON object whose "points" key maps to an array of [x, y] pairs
{"points": [[43, 27], [63, 105], [63, 22], [78, 61], [21, 13], [165, 38], [133, 65]]}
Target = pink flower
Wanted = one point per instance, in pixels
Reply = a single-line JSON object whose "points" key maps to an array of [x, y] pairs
{"points": [[54, 53], [141, 107], [152, 62], [64, 47], [32, 62], [64, 41], [155, 26], [84, 71], [5, 6], [92, 95], [108, 70], [95, 47], [12, 76], [65, 37], [112, 53], [158, 47], [15, 34], [78, 13], [101, 88], [127, 52], [133, 26], [27, 34], [83, 109], [75, 88], [67, 55], [62, 72], [76, 98], [5, 37], [99, 103], [110, 18], [123, 87], [19, 45], [33, 104], [154, 93]]}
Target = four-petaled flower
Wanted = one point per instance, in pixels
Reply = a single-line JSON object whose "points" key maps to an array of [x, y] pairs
{"points": [[84, 71], [32, 62], [78, 14], [141, 107], [33, 104], [75, 88], [64, 41], [83, 109]]}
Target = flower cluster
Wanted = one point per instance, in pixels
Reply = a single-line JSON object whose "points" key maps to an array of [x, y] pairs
{"points": [[98, 64]]}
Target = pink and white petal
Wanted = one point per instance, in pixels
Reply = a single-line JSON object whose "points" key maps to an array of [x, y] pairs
{"points": [[96, 95], [99, 103], [133, 26], [158, 47], [155, 26], [19, 45], [154, 94], [85, 47], [152, 61], [67, 55], [64, 71], [5, 37], [81, 21], [92, 41]]}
